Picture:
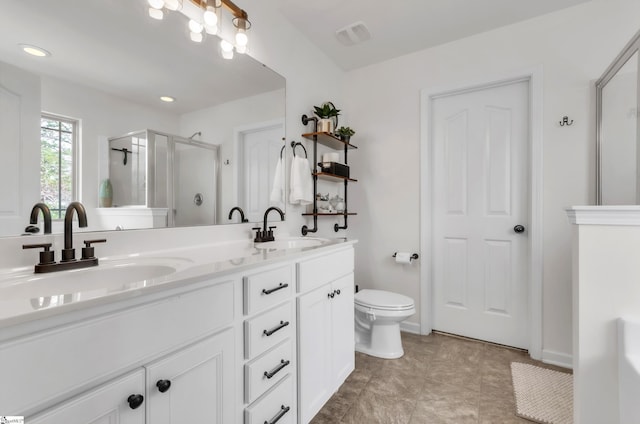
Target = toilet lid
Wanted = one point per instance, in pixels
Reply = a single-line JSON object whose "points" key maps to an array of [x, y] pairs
{"points": [[381, 299]]}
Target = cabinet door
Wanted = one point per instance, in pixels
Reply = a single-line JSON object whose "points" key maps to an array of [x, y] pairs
{"points": [[106, 404], [342, 329], [195, 384], [314, 351]]}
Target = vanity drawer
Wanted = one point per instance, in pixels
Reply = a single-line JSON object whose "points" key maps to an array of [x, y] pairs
{"points": [[267, 330], [276, 405], [266, 289], [277, 363], [316, 272]]}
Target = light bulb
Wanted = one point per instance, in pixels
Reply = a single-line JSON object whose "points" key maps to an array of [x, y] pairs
{"points": [[156, 4], [241, 49], [196, 37], [241, 38], [210, 17], [195, 26], [226, 46], [227, 54], [173, 4], [211, 29], [156, 13]]}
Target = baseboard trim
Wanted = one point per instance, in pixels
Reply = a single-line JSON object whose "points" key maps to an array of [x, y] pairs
{"points": [[410, 327], [556, 358]]}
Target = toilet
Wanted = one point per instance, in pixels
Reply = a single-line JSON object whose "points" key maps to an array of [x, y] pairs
{"points": [[378, 315]]}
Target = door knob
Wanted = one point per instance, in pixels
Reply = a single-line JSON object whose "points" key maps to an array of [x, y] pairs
{"points": [[519, 228]]}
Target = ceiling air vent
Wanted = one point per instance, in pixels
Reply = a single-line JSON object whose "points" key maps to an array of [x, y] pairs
{"points": [[353, 34]]}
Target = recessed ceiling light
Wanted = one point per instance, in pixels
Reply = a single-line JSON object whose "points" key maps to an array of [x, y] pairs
{"points": [[34, 50], [167, 99]]}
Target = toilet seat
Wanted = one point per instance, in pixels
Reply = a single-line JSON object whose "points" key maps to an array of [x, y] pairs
{"points": [[383, 300]]}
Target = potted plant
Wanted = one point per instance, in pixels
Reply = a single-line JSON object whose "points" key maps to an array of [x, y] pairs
{"points": [[327, 114], [345, 133]]}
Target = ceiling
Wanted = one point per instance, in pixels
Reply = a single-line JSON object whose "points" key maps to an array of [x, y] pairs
{"points": [[401, 27], [114, 46]]}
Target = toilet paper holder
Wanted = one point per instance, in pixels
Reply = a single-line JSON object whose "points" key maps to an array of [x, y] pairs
{"points": [[413, 256]]}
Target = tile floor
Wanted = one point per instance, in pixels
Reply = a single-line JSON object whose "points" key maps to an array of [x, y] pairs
{"points": [[440, 379]]}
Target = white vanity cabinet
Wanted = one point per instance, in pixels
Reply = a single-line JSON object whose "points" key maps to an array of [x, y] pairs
{"points": [[87, 370], [326, 354], [189, 385], [194, 384], [262, 343], [106, 404], [269, 345]]}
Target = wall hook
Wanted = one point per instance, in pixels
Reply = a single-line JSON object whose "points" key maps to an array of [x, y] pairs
{"points": [[565, 121]]}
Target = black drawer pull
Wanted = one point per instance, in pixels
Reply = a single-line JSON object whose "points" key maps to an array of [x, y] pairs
{"points": [[283, 410], [276, 370], [273, 330], [280, 286]]}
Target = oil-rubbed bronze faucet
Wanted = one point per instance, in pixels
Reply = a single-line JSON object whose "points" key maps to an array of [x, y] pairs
{"points": [[239, 209], [47, 261], [69, 253], [46, 215], [267, 234]]}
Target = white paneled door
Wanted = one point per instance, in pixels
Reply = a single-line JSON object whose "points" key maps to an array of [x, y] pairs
{"points": [[480, 191]]}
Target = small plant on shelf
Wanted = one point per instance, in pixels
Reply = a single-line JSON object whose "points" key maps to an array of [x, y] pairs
{"points": [[345, 133], [328, 115]]}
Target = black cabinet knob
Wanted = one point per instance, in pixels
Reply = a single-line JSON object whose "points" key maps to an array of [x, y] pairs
{"points": [[338, 291], [163, 385], [135, 401], [518, 229]]}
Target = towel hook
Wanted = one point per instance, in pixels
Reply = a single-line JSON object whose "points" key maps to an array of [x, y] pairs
{"points": [[282, 150], [293, 146], [565, 121]]}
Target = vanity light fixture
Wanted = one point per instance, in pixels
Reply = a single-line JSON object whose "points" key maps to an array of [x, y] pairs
{"points": [[242, 25], [173, 4], [209, 21], [155, 9], [34, 50], [226, 49], [167, 99], [211, 16], [195, 31]]}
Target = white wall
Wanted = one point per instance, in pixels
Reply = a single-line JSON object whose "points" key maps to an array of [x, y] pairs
{"points": [[574, 46]]}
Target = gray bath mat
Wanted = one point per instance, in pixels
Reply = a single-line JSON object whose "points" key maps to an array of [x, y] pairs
{"points": [[542, 395]]}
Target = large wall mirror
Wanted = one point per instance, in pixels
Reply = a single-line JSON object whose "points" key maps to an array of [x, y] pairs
{"points": [[189, 161], [618, 129]]}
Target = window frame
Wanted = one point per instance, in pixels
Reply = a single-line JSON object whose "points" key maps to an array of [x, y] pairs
{"points": [[75, 146]]}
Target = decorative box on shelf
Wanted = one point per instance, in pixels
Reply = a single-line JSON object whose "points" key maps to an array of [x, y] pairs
{"points": [[335, 168]]}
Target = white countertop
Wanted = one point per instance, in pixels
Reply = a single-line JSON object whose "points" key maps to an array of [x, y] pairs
{"points": [[19, 305]]}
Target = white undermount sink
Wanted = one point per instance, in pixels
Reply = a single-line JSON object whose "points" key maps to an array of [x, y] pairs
{"points": [[108, 276], [292, 243]]}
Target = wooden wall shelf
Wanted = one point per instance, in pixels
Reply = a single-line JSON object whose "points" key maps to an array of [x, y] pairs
{"points": [[332, 177], [329, 140]]}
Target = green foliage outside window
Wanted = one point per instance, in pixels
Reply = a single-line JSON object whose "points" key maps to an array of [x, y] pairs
{"points": [[56, 164]]}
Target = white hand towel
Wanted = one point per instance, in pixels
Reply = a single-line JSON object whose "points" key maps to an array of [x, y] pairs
{"points": [[301, 192], [277, 191]]}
